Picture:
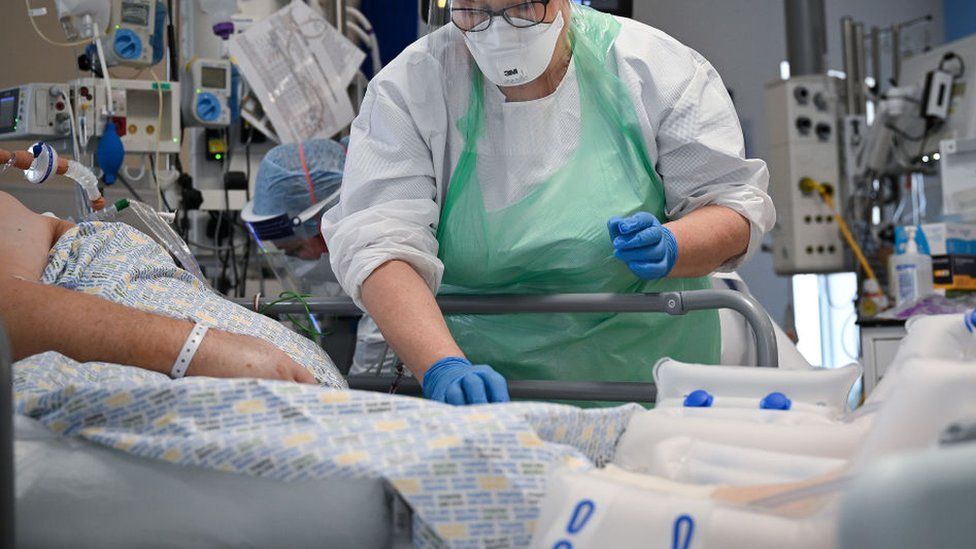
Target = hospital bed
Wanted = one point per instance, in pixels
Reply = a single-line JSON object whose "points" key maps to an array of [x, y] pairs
{"points": [[70, 485], [123, 500]]}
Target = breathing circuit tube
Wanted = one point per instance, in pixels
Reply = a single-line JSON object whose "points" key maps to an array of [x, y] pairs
{"points": [[41, 161]]}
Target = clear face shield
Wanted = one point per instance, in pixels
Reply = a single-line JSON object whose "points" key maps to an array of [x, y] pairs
{"points": [[287, 233], [293, 248], [296, 184]]}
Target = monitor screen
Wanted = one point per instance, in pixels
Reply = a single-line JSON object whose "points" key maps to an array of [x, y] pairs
{"points": [[213, 77], [135, 13], [8, 111]]}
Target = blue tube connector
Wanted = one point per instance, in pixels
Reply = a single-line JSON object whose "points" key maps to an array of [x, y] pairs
{"points": [[969, 318]]}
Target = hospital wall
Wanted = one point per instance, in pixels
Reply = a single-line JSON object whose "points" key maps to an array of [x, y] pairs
{"points": [[746, 41]]}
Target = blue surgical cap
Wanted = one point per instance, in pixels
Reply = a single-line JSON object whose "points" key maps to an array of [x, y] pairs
{"points": [[281, 186]]}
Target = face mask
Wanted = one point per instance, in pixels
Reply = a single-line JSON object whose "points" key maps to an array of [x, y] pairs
{"points": [[510, 56]]}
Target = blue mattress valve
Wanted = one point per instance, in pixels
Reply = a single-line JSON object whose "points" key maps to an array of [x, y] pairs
{"points": [[699, 399], [775, 401]]}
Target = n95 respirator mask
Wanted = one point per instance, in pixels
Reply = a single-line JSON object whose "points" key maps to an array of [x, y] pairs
{"points": [[510, 56]]}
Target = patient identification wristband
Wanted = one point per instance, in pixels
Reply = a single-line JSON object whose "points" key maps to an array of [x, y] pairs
{"points": [[193, 342]]}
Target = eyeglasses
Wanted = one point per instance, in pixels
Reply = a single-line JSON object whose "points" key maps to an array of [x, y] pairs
{"points": [[524, 15]]}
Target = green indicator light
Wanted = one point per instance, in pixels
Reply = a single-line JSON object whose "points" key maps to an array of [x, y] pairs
{"points": [[199, 90], [218, 156], [117, 27], [176, 140]]}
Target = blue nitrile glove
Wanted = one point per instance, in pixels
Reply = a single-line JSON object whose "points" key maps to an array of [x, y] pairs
{"points": [[456, 381], [647, 247]]}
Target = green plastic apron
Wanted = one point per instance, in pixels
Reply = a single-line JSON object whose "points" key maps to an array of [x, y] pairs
{"points": [[555, 240]]}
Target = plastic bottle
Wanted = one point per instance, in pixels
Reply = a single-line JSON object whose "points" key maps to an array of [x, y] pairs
{"points": [[910, 273], [221, 13], [873, 300]]}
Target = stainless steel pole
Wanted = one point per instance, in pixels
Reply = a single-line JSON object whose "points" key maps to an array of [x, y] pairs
{"points": [[876, 70], [862, 71], [850, 63], [532, 390], [896, 54], [806, 36], [340, 15]]}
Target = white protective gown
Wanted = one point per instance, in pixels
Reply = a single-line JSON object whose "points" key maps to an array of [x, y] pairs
{"points": [[405, 146]]}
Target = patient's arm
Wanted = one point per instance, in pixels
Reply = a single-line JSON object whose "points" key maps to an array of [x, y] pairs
{"points": [[42, 318], [25, 239]]}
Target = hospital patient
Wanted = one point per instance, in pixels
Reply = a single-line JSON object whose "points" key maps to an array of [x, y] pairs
{"points": [[43, 317]]}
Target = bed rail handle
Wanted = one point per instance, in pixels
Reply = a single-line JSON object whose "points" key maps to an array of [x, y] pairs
{"points": [[673, 303]]}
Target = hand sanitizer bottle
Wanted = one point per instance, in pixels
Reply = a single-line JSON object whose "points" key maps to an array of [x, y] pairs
{"points": [[910, 273]]}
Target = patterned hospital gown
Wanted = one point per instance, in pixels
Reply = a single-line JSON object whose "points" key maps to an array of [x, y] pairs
{"points": [[473, 476]]}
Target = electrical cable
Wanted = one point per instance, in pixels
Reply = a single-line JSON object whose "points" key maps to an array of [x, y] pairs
{"points": [[75, 148], [152, 165], [159, 132], [174, 60], [242, 291], [140, 175], [109, 100], [232, 252], [129, 187], [903, 134], [807, 184], [135, 76], [962, 64], [207, 247], [312, 329]]}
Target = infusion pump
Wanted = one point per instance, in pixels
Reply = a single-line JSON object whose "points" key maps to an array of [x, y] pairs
{"points": [[131, 33], [207, 93]]}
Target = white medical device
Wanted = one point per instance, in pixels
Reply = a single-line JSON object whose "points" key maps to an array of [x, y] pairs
{"points": [[803, 115], [207, 92], [34, 111], [129, 41], [138, 120]]}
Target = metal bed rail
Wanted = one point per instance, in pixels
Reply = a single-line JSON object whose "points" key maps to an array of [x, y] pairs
{"points": [[672, 303], [6, 443]]}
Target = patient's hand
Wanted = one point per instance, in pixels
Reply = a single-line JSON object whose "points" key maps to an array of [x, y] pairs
{"points": [[223, 354]]}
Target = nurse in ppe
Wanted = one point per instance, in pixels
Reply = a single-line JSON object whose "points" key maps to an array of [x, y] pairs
{"points": [[542, 147]]}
